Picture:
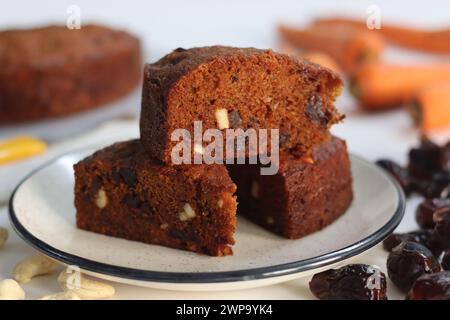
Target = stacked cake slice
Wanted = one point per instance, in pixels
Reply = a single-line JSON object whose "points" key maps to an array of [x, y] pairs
{"points": [[138, 191]]}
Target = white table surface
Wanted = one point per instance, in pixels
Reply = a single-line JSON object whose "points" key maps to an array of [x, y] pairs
{"points": [[170, 24]]}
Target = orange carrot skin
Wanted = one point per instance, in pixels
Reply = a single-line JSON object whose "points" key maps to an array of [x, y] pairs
{"points": [[289, 49], [433, 103], [322, 59], [317, 57], [380, 86], [434, 41], [348, 47]]}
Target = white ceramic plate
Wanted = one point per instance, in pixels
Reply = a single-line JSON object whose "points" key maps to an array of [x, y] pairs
{"points": [[43, 214]]}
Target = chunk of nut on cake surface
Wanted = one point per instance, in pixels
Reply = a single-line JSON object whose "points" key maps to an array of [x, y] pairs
{"points": [[222, 118], [187, 213], [101, 200]]}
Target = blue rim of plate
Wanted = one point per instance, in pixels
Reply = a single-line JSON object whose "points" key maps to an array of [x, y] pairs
{"points": [[210, 277]]}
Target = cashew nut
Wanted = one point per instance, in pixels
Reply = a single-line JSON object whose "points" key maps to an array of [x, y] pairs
{"points": [[3, 236], [85, 288], [35, 265], [11, 290], [66, 295]]}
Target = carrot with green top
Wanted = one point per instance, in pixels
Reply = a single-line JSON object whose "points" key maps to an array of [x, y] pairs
{"points": [[436, 41]]}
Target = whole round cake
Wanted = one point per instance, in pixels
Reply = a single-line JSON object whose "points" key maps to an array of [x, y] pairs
{"points": [[54, 71]]}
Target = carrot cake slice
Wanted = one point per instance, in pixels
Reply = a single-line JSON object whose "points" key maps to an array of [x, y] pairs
{"points": [[121, 192], [235, 88]]}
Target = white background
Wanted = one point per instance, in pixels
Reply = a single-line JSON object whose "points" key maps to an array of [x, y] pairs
{"points": [[166, 25]]}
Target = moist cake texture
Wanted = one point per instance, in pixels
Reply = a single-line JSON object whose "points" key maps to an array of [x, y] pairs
{"points": [[225, 87], [303, 197], [121, 192], [132, 189]]}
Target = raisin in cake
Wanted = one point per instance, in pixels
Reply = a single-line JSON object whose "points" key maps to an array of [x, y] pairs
{"points": [[227, 87], [53, 71], [302, 197], [121, 192]]}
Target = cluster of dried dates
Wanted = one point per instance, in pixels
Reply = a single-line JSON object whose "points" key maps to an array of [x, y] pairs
{"points": [[419, 261]]}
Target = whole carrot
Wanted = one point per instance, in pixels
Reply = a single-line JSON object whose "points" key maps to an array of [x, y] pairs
{"points": [[381, 86], [436, 41], [430, 107], [349, 47]]}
